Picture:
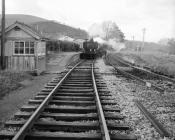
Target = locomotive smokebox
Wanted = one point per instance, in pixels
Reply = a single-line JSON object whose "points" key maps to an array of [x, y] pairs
{"points": [[89, 50]]}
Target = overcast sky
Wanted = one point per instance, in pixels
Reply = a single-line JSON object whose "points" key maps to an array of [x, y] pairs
{"points": [[157, 16]]}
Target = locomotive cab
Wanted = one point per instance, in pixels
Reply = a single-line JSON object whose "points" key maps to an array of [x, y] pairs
{"points": [[89, 49]]}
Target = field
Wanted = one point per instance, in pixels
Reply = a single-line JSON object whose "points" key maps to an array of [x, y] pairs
{"points": [[159, 62], [10, 81]]}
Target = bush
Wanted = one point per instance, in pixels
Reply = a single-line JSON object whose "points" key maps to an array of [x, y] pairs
{"points": [[62, 46], [9, 81]]}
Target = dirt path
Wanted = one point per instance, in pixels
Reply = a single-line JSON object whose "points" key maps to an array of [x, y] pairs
{"points": [[15, 99], [56, 63]]}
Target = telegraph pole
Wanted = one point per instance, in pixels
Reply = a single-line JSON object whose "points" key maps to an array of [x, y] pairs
{"points": [[3, 34], [133, 38], [143, 40]]}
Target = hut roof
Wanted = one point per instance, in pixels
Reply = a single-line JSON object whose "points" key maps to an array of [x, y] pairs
{"points": [[33, 32]]}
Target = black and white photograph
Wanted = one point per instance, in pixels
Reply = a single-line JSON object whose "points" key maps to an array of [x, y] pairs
{"points": [[87, 69]]}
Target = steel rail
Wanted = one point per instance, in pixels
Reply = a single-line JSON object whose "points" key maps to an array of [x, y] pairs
{"points": [[154, 74], [158, 126], [148, 84], [103, 125], [145, 70], [20, 135]]}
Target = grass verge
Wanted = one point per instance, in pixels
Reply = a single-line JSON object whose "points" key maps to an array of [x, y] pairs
{"points": [[10, 81], [157, 62]]}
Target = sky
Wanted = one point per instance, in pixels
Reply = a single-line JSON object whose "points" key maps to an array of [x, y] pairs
{"points": [[156, 16]]}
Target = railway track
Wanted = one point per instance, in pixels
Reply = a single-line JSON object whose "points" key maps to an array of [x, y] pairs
{"points": [[152, 119], [75, 106], [150, 79]]}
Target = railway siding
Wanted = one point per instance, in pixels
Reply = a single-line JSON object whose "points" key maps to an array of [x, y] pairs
{"points": [[159, 82], [155, 103]]}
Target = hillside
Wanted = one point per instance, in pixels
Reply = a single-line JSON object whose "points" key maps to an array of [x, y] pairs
{"points": [[28, 19], [48, 28], [55, 29]]}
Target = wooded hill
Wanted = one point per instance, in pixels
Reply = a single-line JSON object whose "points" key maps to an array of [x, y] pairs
{"points": [[53, 28], [47, 27]]}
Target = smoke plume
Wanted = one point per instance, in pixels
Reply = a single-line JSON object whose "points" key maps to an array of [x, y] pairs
{"points": [[97, 32]]}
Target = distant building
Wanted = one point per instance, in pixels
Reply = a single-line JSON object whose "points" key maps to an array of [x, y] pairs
{"points": [[25, 48], [66, 38], [79, 42]]}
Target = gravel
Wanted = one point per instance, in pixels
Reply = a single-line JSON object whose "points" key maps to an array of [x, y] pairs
{"points": [[125, 91]]}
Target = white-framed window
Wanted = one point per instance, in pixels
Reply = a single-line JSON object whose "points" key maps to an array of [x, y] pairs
{"points": [[24, 47]]}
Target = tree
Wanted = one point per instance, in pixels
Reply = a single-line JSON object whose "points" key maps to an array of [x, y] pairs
{"points": [[171, 44], [111, 31], [106, 29]]}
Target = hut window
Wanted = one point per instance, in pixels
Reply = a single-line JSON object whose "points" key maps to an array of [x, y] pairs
{"points": [[27, 47], [22, 47], [21, 50], [31, 47], [17, 47]]}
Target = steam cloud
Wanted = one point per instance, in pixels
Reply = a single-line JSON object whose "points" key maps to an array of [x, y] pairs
{"points": [[96, 31]]}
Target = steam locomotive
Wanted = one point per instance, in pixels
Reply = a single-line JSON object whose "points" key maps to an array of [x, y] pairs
{"points": [[90, 49]]}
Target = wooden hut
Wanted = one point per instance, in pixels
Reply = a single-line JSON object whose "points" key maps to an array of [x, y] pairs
{"points": [[25, 48]]}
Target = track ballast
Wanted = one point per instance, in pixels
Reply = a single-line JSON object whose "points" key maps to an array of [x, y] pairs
{"points": [[75, 106]]}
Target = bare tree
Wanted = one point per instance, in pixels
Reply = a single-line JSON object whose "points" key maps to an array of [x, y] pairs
{"points": [[106, 28], [111, 31], [171, 44]]}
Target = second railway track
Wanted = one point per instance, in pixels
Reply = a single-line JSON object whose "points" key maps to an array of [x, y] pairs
{"points": [[159, 82], [154, 121], [77, 106]]}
